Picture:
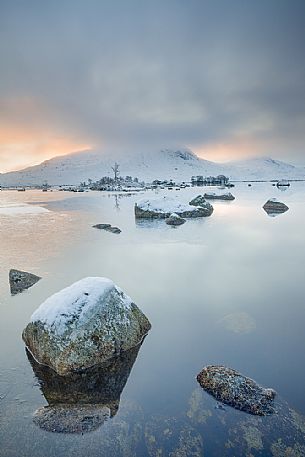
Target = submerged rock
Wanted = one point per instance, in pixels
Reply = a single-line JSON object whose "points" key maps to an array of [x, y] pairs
{"points": [[274, 207], [71, 418], [21, 280], [162, 208], [236, 390], [84, 325], [214, 196], [174, 219], [238, 322], [172, 437], [107, 227], [239, 435]]}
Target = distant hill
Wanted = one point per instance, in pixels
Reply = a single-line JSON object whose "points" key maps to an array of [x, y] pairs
{"points": [[178, 164]]}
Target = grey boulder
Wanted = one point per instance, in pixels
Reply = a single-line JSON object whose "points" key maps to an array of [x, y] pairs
{"points": [[84, 325]]}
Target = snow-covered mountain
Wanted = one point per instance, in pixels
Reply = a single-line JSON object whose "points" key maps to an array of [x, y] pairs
{"points": [[264, 168], [178, 164]]}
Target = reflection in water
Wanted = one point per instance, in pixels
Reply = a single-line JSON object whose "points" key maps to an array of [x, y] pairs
{"points": [[82, 401]]}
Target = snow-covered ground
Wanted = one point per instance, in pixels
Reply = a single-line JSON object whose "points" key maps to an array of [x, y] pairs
{"points": [[179, 165]]}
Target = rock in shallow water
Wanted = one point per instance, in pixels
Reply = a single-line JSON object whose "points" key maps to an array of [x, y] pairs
{"points": [[236, 390], [214, 196], [162, 208], [274, 207], [21, 280], [84, 325], [174, 219], [199, 201], [108, 228]]}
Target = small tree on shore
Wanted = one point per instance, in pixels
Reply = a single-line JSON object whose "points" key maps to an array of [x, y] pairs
{"points": [[115, 169]]}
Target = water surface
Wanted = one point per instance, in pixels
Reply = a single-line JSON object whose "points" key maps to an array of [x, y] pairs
{"points": [[228, 289]]}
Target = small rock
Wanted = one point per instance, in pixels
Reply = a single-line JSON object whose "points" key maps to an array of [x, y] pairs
{"points": [[107, 227], [214, 196], [274, 207], [174, 219], [21, 280], [236, 390]]}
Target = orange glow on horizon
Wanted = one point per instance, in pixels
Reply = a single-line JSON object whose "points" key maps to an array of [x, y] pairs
{"points": [[23, 147]]}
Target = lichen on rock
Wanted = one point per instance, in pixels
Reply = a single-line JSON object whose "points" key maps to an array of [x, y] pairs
{"points": [[236, 390]]}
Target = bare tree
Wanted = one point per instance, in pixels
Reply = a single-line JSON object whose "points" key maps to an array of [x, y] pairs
{"points": [[115, 169]]}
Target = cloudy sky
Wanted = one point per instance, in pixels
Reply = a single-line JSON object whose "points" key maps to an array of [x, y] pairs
{"points": [[224, 77]]}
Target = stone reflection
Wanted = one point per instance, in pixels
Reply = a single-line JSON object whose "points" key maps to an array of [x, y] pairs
{"points": [[82, 401]]}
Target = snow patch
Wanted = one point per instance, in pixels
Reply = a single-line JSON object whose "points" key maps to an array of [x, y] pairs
{"points": [[78, 301], [164, 205]]}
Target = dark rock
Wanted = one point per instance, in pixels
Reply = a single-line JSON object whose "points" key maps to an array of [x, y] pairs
{"points": [[274, 207], [236, 390], [107, 227], [214, 196], [21, 280]]}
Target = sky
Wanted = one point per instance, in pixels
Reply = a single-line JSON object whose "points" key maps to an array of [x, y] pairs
{"points": [[223, 77]]}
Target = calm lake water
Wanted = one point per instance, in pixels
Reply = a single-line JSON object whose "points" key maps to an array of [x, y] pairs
{"points": [[228, 289]]}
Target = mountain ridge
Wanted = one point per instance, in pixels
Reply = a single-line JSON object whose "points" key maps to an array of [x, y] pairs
{"points": [[177, 163]]}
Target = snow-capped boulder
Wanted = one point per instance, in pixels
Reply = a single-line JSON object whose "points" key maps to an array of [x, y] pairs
{"points": [[174, 219], [83, 325], [200, 201], [162, 208], [21, 280], [274, 206], [216, 196]]}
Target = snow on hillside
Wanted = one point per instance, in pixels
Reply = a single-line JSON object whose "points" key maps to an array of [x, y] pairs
{"points": [[178, 164]]}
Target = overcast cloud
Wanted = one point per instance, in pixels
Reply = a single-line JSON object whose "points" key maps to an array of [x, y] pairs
{"points": [[136, 73]]}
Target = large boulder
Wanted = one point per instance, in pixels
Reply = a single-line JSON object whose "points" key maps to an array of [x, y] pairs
{"points": [[21, 280], [84, 325], [223, 196], [274, 206], [162, 208], [236, 390]]}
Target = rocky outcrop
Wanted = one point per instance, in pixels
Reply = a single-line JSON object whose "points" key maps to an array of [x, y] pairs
{"points": [[274, 207], [162, 208], [175, 220], [21, 280], [108, 228], [198, 201], [84, 325], [236, 390], [214, 196]]}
